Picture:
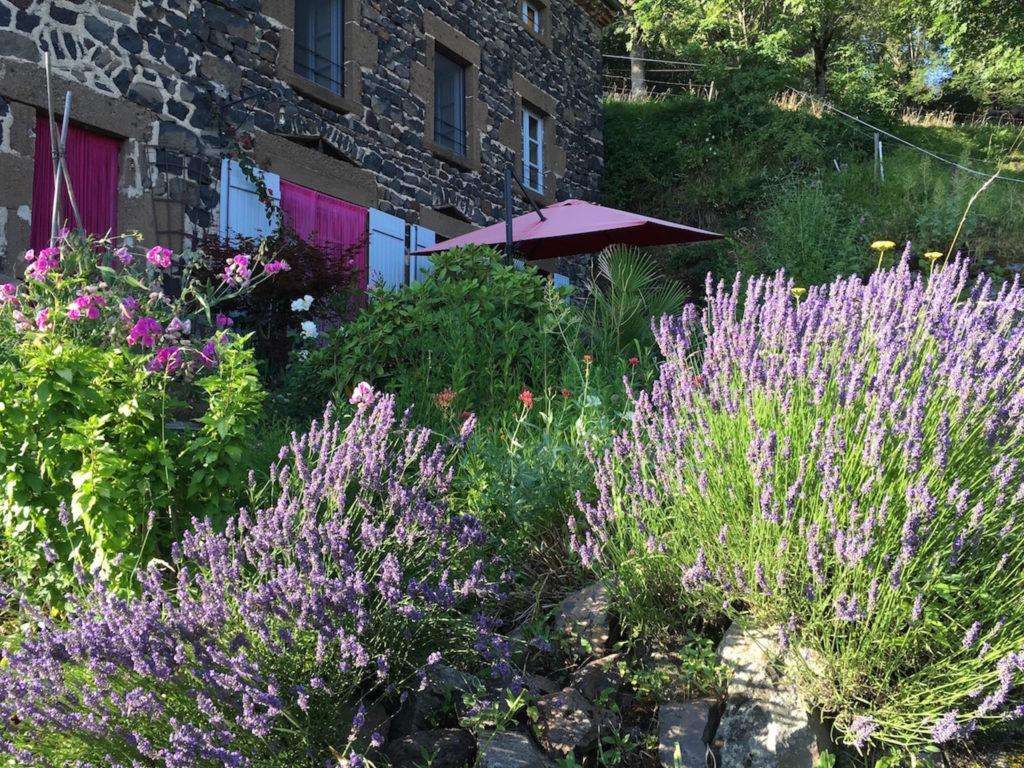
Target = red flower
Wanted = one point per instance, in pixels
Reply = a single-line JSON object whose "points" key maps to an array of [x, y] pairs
{"points": [[566, 393], [526, 398], [588, 359], [634, 361]]}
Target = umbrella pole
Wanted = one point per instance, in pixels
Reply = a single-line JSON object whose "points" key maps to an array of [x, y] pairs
{"points": [[508, 215]]}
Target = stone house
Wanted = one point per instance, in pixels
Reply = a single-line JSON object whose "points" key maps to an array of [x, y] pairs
{"points": [[394, 116]]}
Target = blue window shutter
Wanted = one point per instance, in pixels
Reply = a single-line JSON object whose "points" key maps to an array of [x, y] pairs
{"points": [[241, 212], [387, 250], [420, 237]]}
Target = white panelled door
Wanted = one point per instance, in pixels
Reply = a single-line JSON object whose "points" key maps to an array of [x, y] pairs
{"points": [[387, 250], [420, 237], [241, 212]]}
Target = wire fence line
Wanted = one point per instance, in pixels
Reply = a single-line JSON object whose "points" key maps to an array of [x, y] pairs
{"points": [[864, 124]]}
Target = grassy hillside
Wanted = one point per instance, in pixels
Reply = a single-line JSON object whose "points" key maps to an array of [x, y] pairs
{"points": [[764, 173]]}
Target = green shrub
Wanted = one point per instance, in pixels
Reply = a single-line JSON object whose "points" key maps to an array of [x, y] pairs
{"points": [[478, 329], [121, 407]]}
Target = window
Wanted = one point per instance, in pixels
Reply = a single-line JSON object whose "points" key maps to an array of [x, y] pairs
{"points": [[319, 32], [531, 14], [449, 103], [92, 164], [533, 150]]}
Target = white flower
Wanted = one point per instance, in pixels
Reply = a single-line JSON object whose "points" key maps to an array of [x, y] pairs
{"points": [[309, 329], [303, 304], [303, 354]]}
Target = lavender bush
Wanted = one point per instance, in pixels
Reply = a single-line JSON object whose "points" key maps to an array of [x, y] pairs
{"points": [[844, 464], [264, 644]]}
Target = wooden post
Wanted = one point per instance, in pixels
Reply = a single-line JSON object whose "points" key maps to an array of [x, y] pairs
{"points": [[61, 176]]}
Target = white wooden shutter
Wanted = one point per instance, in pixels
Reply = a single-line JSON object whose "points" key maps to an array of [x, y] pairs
{"points": [[420, 237], [241, 212], [387, 250]]}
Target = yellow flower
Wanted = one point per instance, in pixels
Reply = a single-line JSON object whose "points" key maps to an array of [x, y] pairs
{"points": [[798, 292], [883, 245], [933, 255]]}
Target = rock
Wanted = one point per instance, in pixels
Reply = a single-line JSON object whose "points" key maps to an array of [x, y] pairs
{"points": [[444, 680], [538, 684], [419, 712], [440, 748], [583, 616], [510, 750], [685, 730], [568, 723], [748, 655], [600, 676], [766, 722]]}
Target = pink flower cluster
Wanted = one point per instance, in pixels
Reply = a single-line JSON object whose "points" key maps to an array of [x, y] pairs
{"points": [[159, 256], [40, 264], [8, 293], [238, 270], [144, 332], [87, 305]]}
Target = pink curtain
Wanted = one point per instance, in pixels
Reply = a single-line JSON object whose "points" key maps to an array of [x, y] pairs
{"points": [[92, 166], [338, 227]]}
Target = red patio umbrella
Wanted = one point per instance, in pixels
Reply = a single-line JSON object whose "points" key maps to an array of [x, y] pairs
{"points": [[576, 226]]}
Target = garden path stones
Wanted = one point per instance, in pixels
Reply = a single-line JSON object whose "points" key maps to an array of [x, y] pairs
{"points": [[568, 723], [439, 748], [766, 723], [684, 732], [583, 616], [510, 750]]}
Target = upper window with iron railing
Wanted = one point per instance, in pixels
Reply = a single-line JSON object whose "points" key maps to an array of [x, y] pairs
{"points": [[319, 42], [449, 103]]}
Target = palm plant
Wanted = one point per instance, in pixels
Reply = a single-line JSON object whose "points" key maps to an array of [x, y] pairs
{"points": [[627, 291]]}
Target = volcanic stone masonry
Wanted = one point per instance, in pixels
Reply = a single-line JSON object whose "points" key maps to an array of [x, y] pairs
{"points": [[178, 82]]}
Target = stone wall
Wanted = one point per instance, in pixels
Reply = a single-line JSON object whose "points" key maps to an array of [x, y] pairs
{"points": [[173, 77]]}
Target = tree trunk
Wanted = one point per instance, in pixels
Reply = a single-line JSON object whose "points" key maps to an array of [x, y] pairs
{"points": [[637, 76], [821, 68]]}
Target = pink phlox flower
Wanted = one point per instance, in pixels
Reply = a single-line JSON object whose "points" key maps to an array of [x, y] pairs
{"points": [[86, 305], [363, 394], [43, 320], [144, 332], [124, 256], [238, 270], [177, 325], [45, 261], [273, 267], [166, 359], [223, 321], [159, 256]]}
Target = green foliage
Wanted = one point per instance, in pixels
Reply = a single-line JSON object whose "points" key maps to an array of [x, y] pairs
{"points": [[766, 177], [216, 456], [627, 294], [474, 326], [103, 432], [81, 427]]}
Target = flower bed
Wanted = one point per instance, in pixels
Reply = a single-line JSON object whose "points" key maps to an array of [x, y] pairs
{"points": [[843, 464], [334, 594]]}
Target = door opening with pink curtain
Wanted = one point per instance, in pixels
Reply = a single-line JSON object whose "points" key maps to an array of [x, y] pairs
{"points": [[92, 162], [337, 227]]}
